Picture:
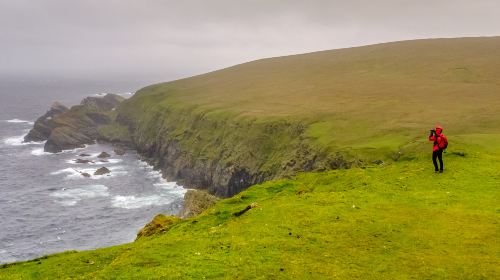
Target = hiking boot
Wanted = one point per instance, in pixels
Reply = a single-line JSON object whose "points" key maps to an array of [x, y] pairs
{"points": [[440, 171]]}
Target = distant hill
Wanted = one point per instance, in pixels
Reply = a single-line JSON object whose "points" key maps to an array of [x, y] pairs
{"points": [[360, 92], [273, 117]]}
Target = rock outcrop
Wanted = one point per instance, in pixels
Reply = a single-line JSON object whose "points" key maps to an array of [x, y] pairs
{"points": [[45, 124], [195, 202], [65, 128], [160, 223], [119, 151], [223, 155], [105, 103], [103, 155], [102, 171], [83, 161]]}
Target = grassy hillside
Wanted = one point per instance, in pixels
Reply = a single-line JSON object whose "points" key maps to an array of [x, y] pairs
{"points": [[399, 221], [273, 117], [357, 93]]}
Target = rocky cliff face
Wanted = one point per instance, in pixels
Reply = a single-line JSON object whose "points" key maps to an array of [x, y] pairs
{"points": [[65, 128], [222, 155], [45, 124]]}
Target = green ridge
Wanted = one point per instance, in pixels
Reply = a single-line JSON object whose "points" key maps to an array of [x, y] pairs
{"points": [[398, 221]]}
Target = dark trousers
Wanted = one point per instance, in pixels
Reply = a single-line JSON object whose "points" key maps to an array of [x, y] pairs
{"points": [[437, 155]]}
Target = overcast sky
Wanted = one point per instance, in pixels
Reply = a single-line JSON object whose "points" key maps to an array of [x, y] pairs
{"points": [[165, 40]]}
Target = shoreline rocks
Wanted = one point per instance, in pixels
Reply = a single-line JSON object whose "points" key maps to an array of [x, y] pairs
{"points": [[83, 161], [195, 202], [119, 151], [102, 171], [66, 129], [103, 155], [45, 124]]}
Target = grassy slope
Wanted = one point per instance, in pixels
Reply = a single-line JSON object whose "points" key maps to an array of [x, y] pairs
{"points": [[367, 101], [407, 222], [399, 221]]}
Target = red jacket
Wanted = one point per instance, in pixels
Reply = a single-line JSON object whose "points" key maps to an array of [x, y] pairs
{"points": [[436, 139]]}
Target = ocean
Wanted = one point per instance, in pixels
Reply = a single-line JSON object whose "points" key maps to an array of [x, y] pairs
{"points": [[46, 205]]}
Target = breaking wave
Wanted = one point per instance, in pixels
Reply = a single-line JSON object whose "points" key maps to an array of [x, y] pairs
{"points": [[20, 121], [134, 202], [70, 197]]}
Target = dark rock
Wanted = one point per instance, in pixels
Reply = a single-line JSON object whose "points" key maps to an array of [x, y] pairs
{"points": [[66, 138], [102, 171], [99, 118], [119, 151], [108, 102], [44, 125], [104, 155], [84, 155], [160, 223], [83, 161], [85, 174], [65, 128], [195, 202], [378, 162]]}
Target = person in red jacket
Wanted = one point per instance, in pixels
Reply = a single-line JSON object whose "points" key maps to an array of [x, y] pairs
{"points": [[437, 152]]}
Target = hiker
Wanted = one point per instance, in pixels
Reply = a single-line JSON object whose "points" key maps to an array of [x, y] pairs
{"points": [[440, 144]]}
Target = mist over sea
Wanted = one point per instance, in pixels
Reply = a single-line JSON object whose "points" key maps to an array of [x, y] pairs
{"points": [[46, 205]]}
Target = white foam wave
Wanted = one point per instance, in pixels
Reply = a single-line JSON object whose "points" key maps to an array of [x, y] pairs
{"points": [[155, 174], [166, 185], [72, 173], [71, 151], [70, 197], [14, 141], [171, 187], [39, 152], [133, 202], [18, 140], [20, 121], [95, 162]]}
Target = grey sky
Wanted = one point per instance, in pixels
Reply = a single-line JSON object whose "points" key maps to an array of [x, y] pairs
{"points": [[164, 40]]}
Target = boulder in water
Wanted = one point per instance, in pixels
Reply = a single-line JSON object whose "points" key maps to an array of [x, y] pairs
{"points": [[85, 174], [83, 161], [102, 171], [119, 151], [104, 155]]}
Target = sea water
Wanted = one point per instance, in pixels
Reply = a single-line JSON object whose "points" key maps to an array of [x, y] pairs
{"points": [[46, 205]]}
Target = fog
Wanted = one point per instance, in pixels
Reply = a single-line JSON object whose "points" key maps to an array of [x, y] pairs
{"points": [[153, 40]]}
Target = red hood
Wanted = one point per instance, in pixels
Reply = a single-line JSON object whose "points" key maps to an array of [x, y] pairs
{"points": [[439, 130]]}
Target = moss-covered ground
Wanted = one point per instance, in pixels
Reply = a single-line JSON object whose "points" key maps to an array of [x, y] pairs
{"points": [[398, 220]]}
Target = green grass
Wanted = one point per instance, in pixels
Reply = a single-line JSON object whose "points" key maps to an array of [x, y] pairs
{"points": [[362, 103], [397, 221]]}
